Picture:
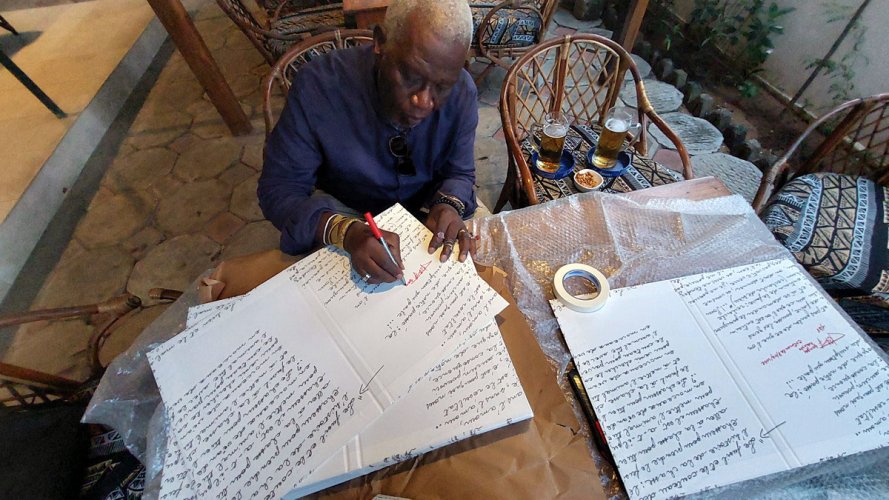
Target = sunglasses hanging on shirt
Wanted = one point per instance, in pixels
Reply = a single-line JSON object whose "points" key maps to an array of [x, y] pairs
{"points": [[404, 164]]}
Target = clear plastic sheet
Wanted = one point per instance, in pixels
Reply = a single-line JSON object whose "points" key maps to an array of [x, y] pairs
{"points": [[634, 239], [630, 238], [127, 398]]}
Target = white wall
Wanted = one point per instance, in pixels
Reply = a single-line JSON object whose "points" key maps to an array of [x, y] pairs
{"points": [[808, 36]]}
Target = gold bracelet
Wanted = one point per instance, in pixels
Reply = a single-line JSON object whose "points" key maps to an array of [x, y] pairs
{"points": [[328, 228], [338, 232]]}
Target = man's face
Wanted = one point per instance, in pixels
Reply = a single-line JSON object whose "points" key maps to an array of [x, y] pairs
{"points": [[416, 74]]}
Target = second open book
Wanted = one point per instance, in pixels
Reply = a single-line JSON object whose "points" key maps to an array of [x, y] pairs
{"points": [[316, 377], [716, 378]]}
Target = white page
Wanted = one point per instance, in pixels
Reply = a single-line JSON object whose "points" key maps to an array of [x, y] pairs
{"points": [[767, 343], [674, 421], [806, 368], [387, 363], [473, 391]]}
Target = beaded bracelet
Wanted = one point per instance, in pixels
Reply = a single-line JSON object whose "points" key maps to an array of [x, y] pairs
{"points": [[451, 200]]}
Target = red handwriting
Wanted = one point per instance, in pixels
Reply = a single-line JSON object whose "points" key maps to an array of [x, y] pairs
{"points": [[419, 272], [806, 347], [821, 344], [780, 353]]}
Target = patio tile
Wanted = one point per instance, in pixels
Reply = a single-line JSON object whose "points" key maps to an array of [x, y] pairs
{"points": [[174, 264], [699, 136], [664, 97], [112, 221], [222, 226], [140, 169], [254, 237], [244, 201], [564, 17], [252, 156], [490, 161], [77, 279], [159, 116], [236, 174], [207, 159], [139, 244], [488, 121], [643, 67], [740, 176], [154, 138], [57, 347], [192, 206]]}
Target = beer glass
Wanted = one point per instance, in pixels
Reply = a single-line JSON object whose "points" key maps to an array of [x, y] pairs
{"points": [[553, 130], [618, 122]]}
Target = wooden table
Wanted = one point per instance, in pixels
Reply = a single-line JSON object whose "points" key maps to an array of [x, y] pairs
{"points": [[367, 13], [179, 25]]}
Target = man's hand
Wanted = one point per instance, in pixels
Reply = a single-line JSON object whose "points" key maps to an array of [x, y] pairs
{"points": [[369, 258], [448, 229]]}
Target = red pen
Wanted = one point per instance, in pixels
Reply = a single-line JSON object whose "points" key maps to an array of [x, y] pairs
{"points": [[378, 235]]}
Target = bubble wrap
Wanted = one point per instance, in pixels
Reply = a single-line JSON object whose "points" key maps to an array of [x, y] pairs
{"points": [[634, 239]]}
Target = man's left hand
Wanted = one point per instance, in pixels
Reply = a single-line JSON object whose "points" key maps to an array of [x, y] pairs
{"points": [[449, 230]]}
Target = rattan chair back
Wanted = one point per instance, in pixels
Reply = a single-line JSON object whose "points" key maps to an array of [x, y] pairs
{"points": [[857, 145], [283, 26], [285, 69], [579, 75]]}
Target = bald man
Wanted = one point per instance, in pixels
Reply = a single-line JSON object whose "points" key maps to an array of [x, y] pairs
{"points": [[367, 127]]}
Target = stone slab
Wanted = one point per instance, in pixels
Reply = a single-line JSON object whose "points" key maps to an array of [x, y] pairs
{"points": [[664, 97], [114, 220], [174, 264], [244, 202], [254, 237], [192, 206], [740, 176], [643, 67], [699, 136], [565, 18], [75, 279]]}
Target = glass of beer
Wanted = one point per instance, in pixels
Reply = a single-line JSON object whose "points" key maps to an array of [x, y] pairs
{"points": [[553, 130], [618, 122]]}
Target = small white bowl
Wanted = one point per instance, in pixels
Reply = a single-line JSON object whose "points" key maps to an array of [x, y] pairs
{"points": [[584, 187]]}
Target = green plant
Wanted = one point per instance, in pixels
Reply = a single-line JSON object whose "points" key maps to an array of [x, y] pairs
{"points": [[841, 70], [742, 28]]}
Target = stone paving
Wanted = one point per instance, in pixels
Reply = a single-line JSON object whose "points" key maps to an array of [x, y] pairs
{"points": [[179, 196]]}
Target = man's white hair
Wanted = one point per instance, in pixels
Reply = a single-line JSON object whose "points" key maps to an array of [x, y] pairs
{"points": [[449, 19]]}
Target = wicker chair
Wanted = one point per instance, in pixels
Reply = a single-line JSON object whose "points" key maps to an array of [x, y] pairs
{"points": [[858, 146], [283, 71], [831, 208], [284, 25], [508, 29], [581, 75]]}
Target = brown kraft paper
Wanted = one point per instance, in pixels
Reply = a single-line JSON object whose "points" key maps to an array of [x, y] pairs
{"points": [[542, 458]]}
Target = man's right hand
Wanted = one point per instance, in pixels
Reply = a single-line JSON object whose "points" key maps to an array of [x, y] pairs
{"points": [[369, 258]]}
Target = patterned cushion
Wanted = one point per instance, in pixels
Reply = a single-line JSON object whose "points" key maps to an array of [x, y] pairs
{"points": [[836, 227], [309, 21], [508, 28]]}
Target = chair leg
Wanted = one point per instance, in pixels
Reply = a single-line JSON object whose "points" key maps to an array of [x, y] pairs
{"points": [[508, 192], [5, 24], [481, 76]]}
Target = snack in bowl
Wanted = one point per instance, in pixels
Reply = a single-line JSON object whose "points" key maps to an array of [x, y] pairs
{"points": [[588, 180]]}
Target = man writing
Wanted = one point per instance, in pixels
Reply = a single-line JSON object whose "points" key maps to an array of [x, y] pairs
{"points": [[367, 127]]}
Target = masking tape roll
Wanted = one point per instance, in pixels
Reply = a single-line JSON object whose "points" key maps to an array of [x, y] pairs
{"points": [[581, 271]]}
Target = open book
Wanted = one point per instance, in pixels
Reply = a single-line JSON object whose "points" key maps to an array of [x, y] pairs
{"points": [[315, 377], [717, 378]]}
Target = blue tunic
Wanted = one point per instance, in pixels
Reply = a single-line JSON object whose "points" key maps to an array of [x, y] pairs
{"points": [[332, 136]]}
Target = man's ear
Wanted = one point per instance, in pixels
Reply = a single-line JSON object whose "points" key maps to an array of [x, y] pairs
{"points": [[379, 40]]}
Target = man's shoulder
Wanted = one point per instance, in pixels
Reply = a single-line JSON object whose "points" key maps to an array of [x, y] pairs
{"points": [[338, 69]]}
